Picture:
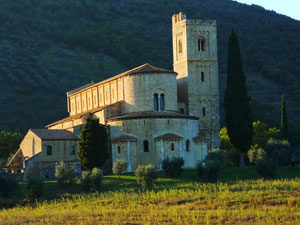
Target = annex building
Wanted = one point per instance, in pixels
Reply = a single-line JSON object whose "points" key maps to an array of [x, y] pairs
{"points": [[154, 113]]}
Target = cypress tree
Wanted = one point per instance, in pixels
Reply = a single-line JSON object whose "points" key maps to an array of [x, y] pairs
{"points": [[237, 109], [283, 120], [93, 144]]}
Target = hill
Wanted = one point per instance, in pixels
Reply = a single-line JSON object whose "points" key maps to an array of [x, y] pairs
{"points": [[49, 47]]}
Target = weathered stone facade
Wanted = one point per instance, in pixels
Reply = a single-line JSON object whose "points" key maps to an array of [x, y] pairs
{"points": [[155, 113]]}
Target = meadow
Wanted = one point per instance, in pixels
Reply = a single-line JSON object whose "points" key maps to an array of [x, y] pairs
{"points": [[238, 198]]}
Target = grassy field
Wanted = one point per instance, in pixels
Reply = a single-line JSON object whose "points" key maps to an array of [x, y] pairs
{"points": [[239, 198]]}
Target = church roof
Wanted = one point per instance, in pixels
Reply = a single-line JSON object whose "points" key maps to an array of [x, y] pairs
{"points": [[152, 114], [46, 134], [124, 138], [168, 136], [143, 69]]}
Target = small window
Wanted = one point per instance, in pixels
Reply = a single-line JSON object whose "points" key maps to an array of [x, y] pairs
{"points": [[49, 150], [180, 46], [172, 147], [201, 44], [181, 110], [155, 102], [203, 111], [146, 146], [119, 149], [187, 145], [162, 102], [73, 150], [202, 76]]}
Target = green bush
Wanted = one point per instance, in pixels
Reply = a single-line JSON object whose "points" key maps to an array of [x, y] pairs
{"points": [[216, 154], [8, 186], [120, 166], [91, 180], [266, 168], [279, 150], [146, 176], [173, 167], [35, 188], [65, 174], [255, 153], [209, 170]]}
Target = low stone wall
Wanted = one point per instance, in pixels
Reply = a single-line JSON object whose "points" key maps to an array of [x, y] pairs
{"points": [[47, 169]]}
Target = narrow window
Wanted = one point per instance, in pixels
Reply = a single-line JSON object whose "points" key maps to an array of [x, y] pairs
{"points": [[181, 110], [172, 147], [203, 111], [199, 45], [203, 45], [202, 76], [187, 145], [146, 146], [49, 150], [72, 151], [180, 46], [119, 149], [155, 102], [162, 102]]}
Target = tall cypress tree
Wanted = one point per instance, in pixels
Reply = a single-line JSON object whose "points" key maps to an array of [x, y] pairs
{"points": [[93, 144], [237, 109], [283, 120]]}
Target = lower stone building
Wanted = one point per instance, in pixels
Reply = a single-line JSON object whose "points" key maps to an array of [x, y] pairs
{"points": [[42, 149]]}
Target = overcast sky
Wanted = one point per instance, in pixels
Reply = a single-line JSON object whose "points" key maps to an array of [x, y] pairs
{"points": [[290, 8]]}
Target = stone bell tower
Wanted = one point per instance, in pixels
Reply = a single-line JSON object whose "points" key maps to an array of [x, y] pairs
{"points": [[196, 62]]}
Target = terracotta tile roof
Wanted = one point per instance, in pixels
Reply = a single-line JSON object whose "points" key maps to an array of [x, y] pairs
{"points": [[152, 114], [168, 136], [124, 138], [143, 69], [46, 134]]}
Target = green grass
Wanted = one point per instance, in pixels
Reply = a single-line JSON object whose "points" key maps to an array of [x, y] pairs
{"points": [[238, 198]]}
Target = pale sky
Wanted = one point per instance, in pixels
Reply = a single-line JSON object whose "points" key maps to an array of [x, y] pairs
{"points": [[289, 8]]}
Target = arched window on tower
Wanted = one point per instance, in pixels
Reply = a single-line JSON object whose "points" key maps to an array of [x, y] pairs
{"points": [[162, 102], [146, 145], [119, 149], [201, 44], [187, 145], [203, 111], [181, 110], [180, 46], [172, 146], [49, 150], [202, 76], [155, 102]]}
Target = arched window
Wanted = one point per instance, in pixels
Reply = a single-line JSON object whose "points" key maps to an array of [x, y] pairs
{"points": [[181, 110], [72, 150], [201, 44], [202, 76], [172, 147], [119, 149], [187, 145], [162, 102], [146, 145], [155, 102], [203, 111], [180, 46], [49, 150]]}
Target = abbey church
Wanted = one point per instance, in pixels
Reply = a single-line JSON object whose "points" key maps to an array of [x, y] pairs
{"points": [[152, 113]]}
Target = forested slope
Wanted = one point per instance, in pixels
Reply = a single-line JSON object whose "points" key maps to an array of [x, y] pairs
{"points": [[49, 47]]}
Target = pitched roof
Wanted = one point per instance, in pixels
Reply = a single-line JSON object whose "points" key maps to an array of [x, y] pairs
{"points": [[46, 134], [168, 136], [153, 114], [143, 69]]}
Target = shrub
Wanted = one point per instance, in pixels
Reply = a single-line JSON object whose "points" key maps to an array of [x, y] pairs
{"points": [[65, 174], [8, 186], [209, 170], [173, 167], [120, 166], [266, 168], [91, 180], [279, 150], [34, 188], [146, 175], [256, 153], [215, 154]]}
